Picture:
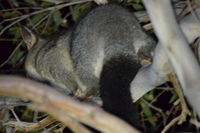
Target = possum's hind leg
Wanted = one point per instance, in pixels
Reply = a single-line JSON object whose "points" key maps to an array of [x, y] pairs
{"points": [[88, 65]]}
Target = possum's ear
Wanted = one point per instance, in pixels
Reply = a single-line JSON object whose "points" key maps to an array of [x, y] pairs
{"points": [[29, 37]]}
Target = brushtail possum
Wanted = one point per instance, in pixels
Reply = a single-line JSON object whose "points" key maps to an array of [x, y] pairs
{"points": [[106, 48], [49, 59], [100, 57], [107, 33]]}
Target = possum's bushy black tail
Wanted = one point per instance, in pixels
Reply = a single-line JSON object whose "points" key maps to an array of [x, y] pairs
{"points": [[115, 80]]}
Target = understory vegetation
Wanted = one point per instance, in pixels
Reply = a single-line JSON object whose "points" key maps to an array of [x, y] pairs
{"points": [[157, 108]]}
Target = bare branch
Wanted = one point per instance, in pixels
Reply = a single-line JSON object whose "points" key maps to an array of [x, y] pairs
{"points": [[27, 126], [52, 101], [176, 47], [156, 74], [174, 42]]}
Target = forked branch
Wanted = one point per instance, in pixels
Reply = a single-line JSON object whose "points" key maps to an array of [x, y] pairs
{"points": [[176, 47]]}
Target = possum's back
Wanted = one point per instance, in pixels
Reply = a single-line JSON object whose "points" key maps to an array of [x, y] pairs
{"points": [[111, 27], [106, 31]]}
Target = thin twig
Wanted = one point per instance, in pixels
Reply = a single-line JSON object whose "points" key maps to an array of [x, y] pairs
{"points": [[178, 90], [38, 23], [157, 96], [195, 121], [171, 124], [28, 127], [156, 109], [16, 117], [21, 8], [11, 55], [185, 111], [45, 27], [70, 122], [62, 1], [56, 7], [54, 126]]}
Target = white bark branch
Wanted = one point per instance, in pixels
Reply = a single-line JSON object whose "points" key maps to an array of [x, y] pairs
{"points": [[175, 45], [156, 74]]}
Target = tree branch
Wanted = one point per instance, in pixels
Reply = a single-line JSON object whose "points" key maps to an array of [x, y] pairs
{"points": [[27, 126], [155, 74], [176, 47], [59, 105]]}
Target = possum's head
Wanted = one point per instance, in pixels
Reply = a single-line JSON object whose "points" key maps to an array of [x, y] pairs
{"points": [[48, 59], [30, 38], [33, 44]]}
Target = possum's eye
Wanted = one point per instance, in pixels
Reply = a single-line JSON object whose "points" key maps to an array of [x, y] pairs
{"points": [[29, 37]]}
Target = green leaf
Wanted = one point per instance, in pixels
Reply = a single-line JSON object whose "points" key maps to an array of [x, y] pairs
{"points": [[27, 114], [31, 2], [149, 96], [152, 121], [146, 110], [17, 56], [9, 14], [15, 32], [137, 6], [173, 98], [57, 17], [137, 1], [148, 113], [38, 17], [46, 4], [80, 9]]}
